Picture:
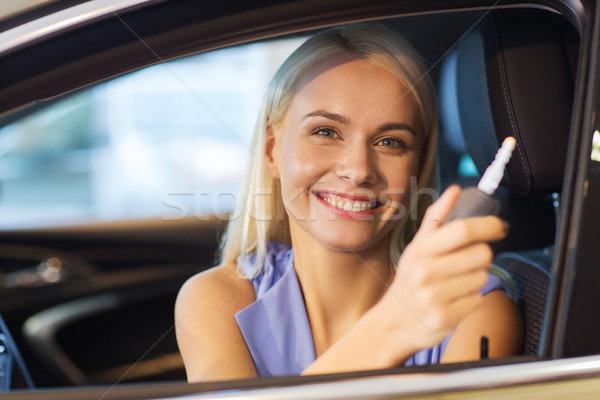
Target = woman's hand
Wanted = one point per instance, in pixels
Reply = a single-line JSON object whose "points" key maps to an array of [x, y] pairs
{"points": [[440, 274]]}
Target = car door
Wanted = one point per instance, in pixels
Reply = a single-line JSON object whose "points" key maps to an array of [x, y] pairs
{"points": [[91, 302]]}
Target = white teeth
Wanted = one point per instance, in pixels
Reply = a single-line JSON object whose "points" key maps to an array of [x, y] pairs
{"points": [[349, 205]]}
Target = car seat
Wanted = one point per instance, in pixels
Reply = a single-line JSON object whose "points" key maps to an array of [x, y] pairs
{"points": [[512, 74]]}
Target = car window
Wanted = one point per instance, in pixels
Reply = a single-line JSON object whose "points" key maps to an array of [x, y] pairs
{"points": [[168, 141]]}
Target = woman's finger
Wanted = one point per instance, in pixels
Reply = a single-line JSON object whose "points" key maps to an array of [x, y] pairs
{"points": [[458, 286], [466, 260], [462, 232], [437, 213]]}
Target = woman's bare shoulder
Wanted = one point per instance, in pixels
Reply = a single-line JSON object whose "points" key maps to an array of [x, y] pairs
{"points": [[208, 336], [499, 319], [221, 283]]}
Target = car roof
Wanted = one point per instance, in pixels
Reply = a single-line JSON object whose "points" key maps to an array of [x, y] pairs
{"points": [[24, 24], [18, 12], [136, 33], [13, 8]]}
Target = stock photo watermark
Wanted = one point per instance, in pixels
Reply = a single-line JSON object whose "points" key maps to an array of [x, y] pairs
{"points": [[302, 205]]}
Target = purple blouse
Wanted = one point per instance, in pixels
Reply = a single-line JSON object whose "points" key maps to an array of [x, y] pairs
{"points": [[276, 328]]}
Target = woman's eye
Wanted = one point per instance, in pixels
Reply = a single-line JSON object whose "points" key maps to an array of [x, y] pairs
{"points": [[325, 132], [392, 143]]}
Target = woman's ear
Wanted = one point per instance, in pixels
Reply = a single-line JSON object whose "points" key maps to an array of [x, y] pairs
{"points": [[270, 162]]}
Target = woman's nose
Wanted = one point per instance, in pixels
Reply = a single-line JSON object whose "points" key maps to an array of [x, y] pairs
{"points": [[356, 165]]}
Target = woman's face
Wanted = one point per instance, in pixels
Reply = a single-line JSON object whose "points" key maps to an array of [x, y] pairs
{"points": [[345, 154]]}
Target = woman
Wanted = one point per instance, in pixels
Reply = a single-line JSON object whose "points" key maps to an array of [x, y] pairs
{"points": [[341, 173]]}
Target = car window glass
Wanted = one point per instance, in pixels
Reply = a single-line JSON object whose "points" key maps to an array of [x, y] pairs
{"points": [[167, 141]]}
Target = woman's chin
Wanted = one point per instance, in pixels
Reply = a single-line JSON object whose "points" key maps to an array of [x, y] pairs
{"points": [[346, 235], [350, 242]]}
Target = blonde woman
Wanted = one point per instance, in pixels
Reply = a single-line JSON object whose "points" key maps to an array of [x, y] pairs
{"points": [[324, 270]]}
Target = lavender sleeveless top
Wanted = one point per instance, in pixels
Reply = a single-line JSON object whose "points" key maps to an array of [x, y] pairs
{"points": [[276, 328]]}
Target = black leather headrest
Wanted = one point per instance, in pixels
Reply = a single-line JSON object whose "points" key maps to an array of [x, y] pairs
{"points": [[514, 76]]}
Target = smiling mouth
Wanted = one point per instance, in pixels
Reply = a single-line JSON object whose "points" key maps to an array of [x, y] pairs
{"points": [[347, 203]]}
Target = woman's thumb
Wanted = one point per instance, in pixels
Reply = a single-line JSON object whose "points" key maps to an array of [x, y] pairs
{"points": [[437, 213]]}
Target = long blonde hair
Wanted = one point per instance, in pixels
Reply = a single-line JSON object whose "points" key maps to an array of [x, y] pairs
{"points": [[260, 215]]}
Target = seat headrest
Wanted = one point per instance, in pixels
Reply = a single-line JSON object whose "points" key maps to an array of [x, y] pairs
{"points": [[513, 75]]}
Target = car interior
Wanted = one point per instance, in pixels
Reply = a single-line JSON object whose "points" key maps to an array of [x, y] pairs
{"points": [[501, 73], [107, 316]]}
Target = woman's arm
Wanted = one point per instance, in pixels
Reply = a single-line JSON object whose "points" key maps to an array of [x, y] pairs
{"points": [[208, 336], [365, 348]]}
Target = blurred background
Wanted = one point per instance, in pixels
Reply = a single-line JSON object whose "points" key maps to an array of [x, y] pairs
{"points": [[168, 141]]}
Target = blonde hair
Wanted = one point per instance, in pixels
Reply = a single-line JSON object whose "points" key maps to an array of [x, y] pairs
{"points": [[259, 211]]}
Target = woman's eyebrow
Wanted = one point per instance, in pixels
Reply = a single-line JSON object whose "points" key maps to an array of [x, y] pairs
{"points": [[390, 126], [329, 115], [396, 126]]}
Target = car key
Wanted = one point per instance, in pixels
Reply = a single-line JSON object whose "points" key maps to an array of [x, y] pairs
{"points": [[478, 201]]}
